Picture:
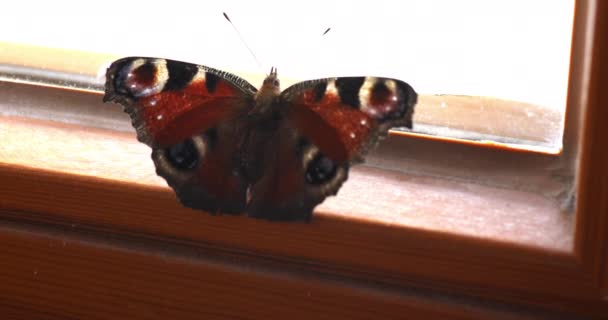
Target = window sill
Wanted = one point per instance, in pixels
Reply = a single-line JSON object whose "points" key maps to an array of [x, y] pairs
{"points": [[385, 226], [387, 198]]}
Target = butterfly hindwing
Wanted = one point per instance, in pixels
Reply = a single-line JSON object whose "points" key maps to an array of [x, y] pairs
{"points": [[297, 177], [204, 170], [189, 115]]}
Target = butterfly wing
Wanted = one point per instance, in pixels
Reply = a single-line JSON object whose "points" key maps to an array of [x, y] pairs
{"points": [[189, 115], [329, 124], [346, 116], [297, 177]]}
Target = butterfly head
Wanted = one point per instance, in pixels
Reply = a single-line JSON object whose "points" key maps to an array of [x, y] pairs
{"points": [[272, 83]]}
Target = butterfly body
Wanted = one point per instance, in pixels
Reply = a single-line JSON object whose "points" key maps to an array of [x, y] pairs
{"points": [[225, 147]]}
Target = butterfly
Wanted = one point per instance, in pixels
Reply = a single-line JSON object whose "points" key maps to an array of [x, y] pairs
{"points": [[225, 147]]}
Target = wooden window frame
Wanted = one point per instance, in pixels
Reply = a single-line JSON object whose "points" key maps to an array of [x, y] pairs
{"points": [[148, 223]]}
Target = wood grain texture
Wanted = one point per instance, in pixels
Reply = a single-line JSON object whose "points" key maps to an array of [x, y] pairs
{"points": [[50, 274]]}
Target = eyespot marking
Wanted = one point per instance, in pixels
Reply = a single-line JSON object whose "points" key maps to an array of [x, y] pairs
{"points": [[383, 99], [320, 170], [183, 156], [143, 77]]}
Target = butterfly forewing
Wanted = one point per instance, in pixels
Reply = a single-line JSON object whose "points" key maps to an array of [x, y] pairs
{"points": [[188, 114], [169, 101], [344, 117]]}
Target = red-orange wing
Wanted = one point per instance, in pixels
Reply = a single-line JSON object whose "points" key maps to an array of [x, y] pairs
{"points": [[169, 101], [329, 125], [189, 115], [344, 117]]}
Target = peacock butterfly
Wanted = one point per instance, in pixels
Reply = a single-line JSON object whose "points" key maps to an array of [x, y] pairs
{"points": [[225, 147]]}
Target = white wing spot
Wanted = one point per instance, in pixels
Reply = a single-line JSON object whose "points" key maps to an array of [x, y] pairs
{"points": [[199, 76], [331, 88], [392, 86], [159, 117], [365, 93], [353, 135]]}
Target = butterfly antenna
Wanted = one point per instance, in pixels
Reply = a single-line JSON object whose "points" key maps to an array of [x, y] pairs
{"points": [[243, 40], [326, 31]]}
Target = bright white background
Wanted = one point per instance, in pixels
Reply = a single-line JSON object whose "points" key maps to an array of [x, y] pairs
{"points": [[514, 49]]}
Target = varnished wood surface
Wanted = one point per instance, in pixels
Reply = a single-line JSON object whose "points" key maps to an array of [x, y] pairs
{"points": [[591, 242], [56, 274]]}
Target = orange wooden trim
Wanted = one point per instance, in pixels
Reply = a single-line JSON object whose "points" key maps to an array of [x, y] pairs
{"points": [[57, 274], [591, 240]]}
